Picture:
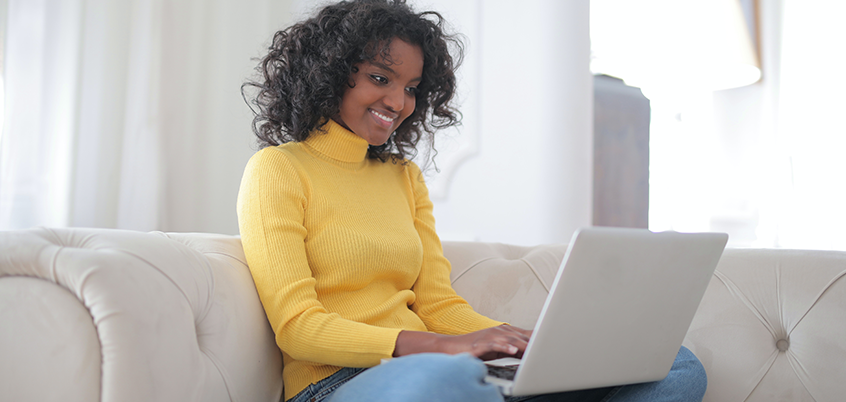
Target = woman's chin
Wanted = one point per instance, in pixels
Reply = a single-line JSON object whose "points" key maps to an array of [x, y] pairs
{"points": [[377, 140]]}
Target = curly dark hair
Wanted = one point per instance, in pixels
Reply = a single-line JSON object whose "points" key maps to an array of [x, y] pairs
{"points": [[307, 70]]}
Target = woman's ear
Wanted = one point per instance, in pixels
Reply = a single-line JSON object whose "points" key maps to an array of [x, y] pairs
{"points": [[350, 80]]}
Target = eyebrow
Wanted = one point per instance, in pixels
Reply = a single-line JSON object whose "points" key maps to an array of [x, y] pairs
{"points": [[391, 70]]}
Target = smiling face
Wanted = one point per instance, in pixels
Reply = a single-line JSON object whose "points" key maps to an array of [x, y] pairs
{"points": [[382, 94]]}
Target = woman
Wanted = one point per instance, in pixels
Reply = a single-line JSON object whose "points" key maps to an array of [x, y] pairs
{"points": [[337, 225]]}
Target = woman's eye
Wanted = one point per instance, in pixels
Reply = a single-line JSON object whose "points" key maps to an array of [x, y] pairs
{"points": [[379, 79], [412, 90]]}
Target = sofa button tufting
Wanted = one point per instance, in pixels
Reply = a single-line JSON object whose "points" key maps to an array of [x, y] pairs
{"points": [[782, 345]]}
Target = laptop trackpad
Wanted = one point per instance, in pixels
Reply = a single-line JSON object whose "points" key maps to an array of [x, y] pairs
{"points": [[504, 368], [505, 361]]}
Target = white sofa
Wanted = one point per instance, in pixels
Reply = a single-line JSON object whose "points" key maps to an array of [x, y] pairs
{"points": [[110, 315]]}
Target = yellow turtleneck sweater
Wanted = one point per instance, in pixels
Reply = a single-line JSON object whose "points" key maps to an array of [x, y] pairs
{"points": [[344, 255]]}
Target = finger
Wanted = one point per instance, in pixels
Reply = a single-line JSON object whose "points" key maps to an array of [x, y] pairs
{"points": [[511, 338], [519, 332], [494, 348], [504, 348], [520, 343], [525, 332]]}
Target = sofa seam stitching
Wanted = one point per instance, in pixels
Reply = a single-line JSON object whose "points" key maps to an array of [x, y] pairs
{"points": [[735, 290], [817, 299], [457, 277], [223, 374], [537, 275]]}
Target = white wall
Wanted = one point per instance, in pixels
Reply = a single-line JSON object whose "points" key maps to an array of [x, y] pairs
{"points": [[530, 121]]}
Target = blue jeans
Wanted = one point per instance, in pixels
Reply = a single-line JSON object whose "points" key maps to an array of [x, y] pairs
{"points": [[438, 377]]}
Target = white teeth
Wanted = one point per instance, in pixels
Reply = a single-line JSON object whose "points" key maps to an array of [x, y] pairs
{"points": [[382, 116]]}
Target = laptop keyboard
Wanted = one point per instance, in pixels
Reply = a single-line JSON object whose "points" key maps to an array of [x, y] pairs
{"points": [[504, 372]]}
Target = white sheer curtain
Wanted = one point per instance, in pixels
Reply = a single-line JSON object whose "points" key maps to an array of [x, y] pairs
{"points": [[803, 206], [779, 145], [128, 114], [763, 162]]}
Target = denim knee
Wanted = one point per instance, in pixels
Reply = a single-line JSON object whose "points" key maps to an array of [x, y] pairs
{"points": [[685, 382], [439, 366], [441, 377], [688, 369], [422, 377]]}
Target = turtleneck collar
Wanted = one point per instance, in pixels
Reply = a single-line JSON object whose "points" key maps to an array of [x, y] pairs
{"points": [[336, 142]]}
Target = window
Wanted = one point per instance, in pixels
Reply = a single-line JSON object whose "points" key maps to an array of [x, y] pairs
{"points": [[761, 162]]}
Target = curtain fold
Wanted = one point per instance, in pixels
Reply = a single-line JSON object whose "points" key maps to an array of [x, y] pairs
{"points": [[128, 114], [41, 67]]}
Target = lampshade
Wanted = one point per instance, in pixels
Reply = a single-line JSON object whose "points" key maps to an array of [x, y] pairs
{"points": [[673, 45]]}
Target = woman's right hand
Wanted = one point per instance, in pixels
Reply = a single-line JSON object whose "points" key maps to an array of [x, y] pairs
{"points": [[487, 344]]}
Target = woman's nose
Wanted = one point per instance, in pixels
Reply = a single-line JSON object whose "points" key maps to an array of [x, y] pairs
{"points": [[395, 99]]}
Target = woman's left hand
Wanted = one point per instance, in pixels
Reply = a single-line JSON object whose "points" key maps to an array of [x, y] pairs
{"points": [[487, 344], [525, 335]]}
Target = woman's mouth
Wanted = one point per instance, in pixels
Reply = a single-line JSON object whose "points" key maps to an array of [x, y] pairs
{"points": [[383, 120]]}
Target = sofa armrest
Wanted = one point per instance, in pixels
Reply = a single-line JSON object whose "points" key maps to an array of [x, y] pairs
{"points": [[96, 314]]}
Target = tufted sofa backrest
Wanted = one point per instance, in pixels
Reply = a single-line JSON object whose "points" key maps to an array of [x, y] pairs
{"points": [[771, 326], [111, 315]]}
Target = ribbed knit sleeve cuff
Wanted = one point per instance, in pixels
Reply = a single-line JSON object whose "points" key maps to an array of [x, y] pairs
{"points": [[462, 321], [346, 344]]}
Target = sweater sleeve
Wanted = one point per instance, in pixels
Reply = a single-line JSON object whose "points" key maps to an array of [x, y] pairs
{"points": [[441, 309], [272, 201]]}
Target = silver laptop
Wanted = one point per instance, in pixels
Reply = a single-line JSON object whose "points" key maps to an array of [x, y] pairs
{"points": [[618, 311]]}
